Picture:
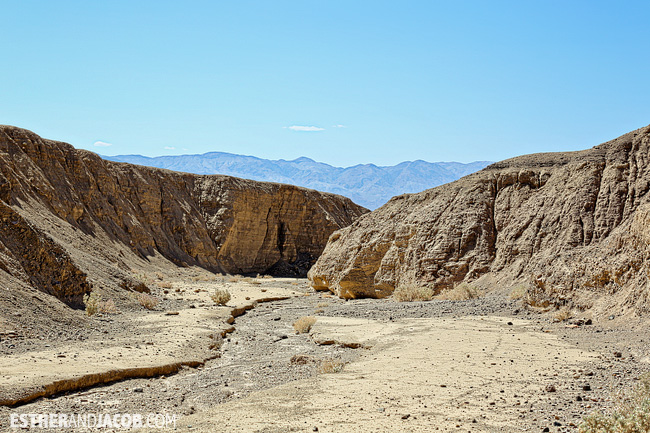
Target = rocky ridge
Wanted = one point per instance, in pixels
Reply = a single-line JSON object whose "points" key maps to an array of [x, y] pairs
{"points": [[572, 228], [70, 220]]}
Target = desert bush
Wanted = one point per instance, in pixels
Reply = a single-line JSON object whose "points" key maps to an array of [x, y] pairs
{"points": [[329, 366], [412, 292], [304, 324], [107, 307], [536, 294], [91, 301], [563, 314], [147, 301], [233, 278], [95, 304], [220, 296], [165, 285], [631, 414], [462, 292]]}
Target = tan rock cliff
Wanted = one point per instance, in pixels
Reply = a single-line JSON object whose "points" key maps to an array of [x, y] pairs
{"points": [[572, 227], [67, 216]]}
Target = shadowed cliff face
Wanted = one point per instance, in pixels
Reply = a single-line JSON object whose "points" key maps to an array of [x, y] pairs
{"points": [[56, 199], [569, 226]]}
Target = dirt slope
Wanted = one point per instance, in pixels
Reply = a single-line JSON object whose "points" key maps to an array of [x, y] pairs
{"points": [[572, 227]]}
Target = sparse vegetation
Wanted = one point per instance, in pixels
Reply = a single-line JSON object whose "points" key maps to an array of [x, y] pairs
{"points": [[536, 294], [412, 292], [631, 414], [329, 366], [461, 292], [165, 285], [220, 296], [95, 304], [563, 314], [147, 301], [233, 278], [108, 307], [304, 324], [91, 301]]}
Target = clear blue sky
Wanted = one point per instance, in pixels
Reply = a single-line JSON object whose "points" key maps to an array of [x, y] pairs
{"points": [[402, 80]]}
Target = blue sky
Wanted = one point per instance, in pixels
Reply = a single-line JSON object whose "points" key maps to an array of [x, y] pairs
{"points": [[371, 81]]}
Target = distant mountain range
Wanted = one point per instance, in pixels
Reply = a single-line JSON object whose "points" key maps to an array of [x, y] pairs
{"points": [[366, 184]]}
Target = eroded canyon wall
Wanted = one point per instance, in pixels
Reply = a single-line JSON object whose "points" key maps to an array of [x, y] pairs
{"points": [[572, 227], [67, 214]]}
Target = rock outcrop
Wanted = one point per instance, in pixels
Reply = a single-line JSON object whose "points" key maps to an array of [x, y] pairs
{"points": [[573, 228], [68, 218]]}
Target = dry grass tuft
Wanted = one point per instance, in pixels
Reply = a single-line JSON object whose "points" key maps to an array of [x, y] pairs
{"points": [[563, 314], [304, 324], [412, 292], [95, 304], [233, 278], [631, 414], [108, 307], [165, 285], [329, 366], [220, 296], [147, 301], [91, 301], [462, 292]]}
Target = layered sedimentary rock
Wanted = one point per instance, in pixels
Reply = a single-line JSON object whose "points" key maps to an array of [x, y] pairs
{"points": [[67, 214], [571, 227]]}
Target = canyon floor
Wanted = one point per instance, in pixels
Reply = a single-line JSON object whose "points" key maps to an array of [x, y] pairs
{"points": [[487, 364]]}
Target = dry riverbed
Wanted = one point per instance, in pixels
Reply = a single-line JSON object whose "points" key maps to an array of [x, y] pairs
{"points": [[366, 365]]}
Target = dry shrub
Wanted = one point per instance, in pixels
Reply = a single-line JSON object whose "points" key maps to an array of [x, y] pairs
{"points": [[268, 277], [165, 285], [318, 311], [91, 301], [147, 301], [233, 278], [107, 307], [304, 324], [631, 413], [95, 304], [329, 366], [462, 292], [536, 294], [220, 296], [563, 314], [412, 292]]}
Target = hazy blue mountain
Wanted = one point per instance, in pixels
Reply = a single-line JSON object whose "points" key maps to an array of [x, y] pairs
{"points": [[366, 184]]}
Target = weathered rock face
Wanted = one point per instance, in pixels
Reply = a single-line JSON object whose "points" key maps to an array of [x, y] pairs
{"points": [[571, 226], [56, 199]]}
